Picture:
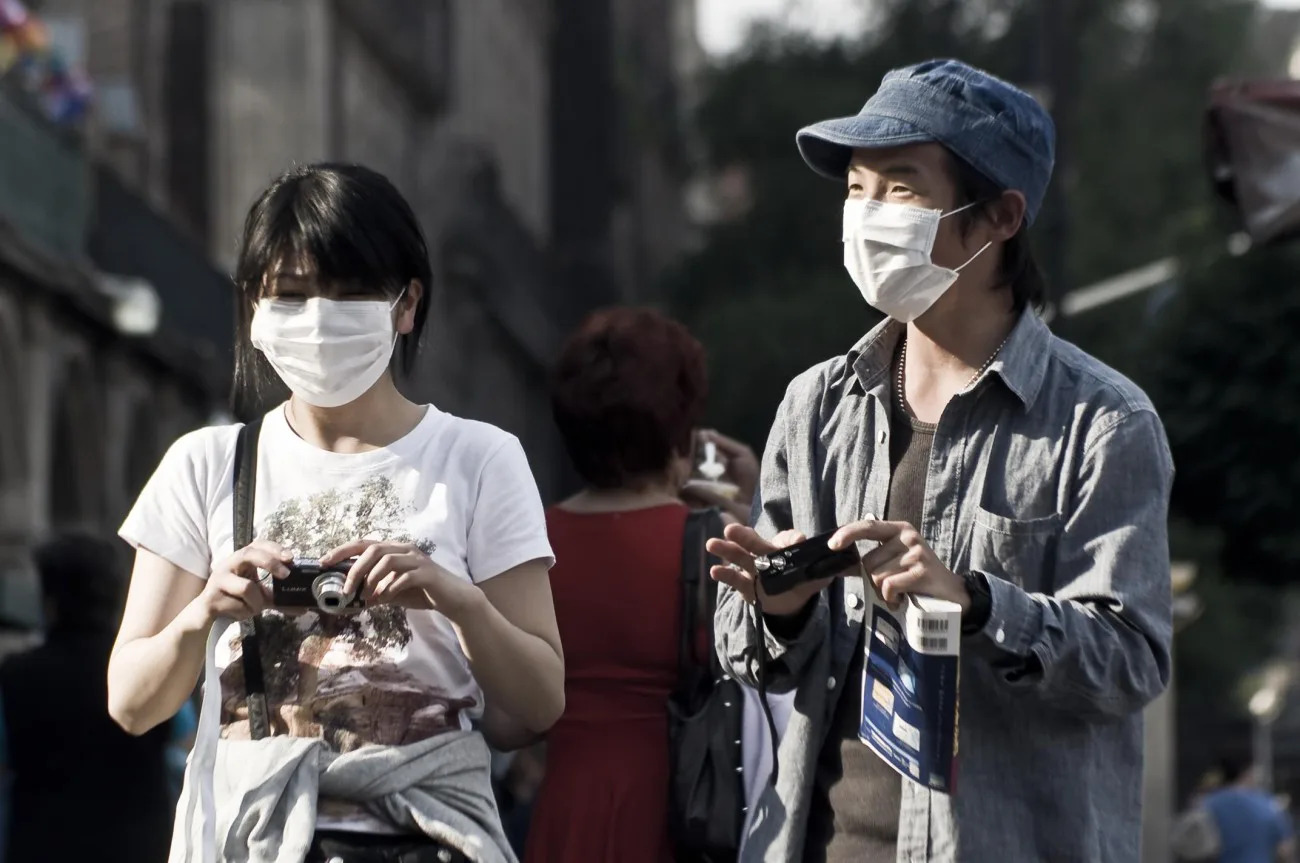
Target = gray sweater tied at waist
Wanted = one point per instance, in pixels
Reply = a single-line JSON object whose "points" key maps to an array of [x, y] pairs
{"points": [[265, 793]]}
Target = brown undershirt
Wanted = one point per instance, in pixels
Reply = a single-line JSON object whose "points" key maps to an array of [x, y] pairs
{"points": [[856, 796]]}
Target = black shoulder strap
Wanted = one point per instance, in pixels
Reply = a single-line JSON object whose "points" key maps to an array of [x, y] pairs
{"points": [[245, 493], [696, 598]]}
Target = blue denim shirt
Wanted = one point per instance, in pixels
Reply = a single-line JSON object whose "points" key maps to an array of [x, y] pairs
{"points": [[1051, 476]]}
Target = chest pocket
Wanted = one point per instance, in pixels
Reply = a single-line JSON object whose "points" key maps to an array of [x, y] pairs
{"points": [[1021, 551]]}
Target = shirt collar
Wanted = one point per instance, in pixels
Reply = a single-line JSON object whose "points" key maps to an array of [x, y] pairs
{"points": [[1021, 364]]}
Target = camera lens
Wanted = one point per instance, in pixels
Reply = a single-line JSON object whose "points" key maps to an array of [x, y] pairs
{"points": [[329, 593]]}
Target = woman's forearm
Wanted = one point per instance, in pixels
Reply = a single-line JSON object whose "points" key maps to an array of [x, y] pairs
{"points": [[520, 674], [150, 678], [504, 732]]}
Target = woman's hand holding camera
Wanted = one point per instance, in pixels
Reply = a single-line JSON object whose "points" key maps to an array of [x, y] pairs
{"points": [[401, 574], [234, 588]]}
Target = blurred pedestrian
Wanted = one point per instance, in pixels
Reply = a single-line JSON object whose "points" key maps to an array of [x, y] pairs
{"points": [[82, 788], [1252, 827], [974, 457], [628, 393]]}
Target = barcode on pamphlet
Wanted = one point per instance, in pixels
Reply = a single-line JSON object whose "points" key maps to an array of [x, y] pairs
{"points": [[933, 631]]}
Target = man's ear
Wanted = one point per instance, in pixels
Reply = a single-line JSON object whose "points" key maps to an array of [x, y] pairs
{"points": [[1006, 215]]}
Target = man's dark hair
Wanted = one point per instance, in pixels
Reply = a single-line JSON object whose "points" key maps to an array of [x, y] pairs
{"points": [[1233, 766], [356, 231], [1020, 271], [83, 577], [626, 394]]}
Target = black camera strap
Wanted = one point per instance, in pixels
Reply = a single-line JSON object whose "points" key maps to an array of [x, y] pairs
{"points": [[760, 677], [245, 492]]}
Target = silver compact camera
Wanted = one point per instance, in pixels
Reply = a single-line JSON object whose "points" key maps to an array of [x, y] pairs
{"points": [[311, 585]]}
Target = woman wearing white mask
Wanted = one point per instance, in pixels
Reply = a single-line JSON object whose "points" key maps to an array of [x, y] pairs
{"points": [[352, 738]]}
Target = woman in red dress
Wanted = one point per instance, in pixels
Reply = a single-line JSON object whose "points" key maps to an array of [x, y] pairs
{"points": [[628, 393]]}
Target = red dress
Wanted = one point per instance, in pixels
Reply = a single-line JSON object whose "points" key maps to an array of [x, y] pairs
{"points": [[616, 588]]}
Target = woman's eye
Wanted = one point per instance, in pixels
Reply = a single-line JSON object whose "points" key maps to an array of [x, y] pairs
{"points": [[900, 190]]}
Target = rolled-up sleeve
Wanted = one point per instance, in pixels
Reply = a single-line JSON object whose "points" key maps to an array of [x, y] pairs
{"points": [[1100, 644], [735, 628]]}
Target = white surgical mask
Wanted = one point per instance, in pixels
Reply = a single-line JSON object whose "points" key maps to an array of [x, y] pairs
{"points": [[887, 251], [327, 352]]}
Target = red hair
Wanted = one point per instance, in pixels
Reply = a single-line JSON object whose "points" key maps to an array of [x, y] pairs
{"points": [[627, 393]]}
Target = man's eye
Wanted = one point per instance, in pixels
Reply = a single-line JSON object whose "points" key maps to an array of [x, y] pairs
{"points": [[900, 190]]}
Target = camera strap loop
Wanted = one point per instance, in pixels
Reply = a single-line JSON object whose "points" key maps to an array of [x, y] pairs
{"points": [[245, 492], [760, 677]]}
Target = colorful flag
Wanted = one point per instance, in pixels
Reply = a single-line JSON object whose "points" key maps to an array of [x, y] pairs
{"points": [[12, 15], [25, 48]]}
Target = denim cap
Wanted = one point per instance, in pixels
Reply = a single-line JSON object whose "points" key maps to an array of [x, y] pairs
{"points": [[998, 129]]}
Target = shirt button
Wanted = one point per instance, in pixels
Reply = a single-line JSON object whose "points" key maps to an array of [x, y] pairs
{"points": [[854, 601], [1001, 635], [830, 683], [884, 435]]}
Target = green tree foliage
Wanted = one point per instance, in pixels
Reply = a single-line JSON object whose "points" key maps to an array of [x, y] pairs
{"points": [[1228, 386]]}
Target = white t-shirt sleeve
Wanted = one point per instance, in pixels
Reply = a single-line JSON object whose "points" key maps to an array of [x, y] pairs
{"points": [[508, 525], [170, 517]]}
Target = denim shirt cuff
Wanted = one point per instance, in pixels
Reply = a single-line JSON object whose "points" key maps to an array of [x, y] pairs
{"points": [[805, 620], [1015, 617]]}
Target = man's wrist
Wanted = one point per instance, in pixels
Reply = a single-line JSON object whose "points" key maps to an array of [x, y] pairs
{"points": [[976, 616], [788, 626]]}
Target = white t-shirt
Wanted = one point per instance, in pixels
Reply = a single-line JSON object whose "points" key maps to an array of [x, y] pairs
{"points": [[459, 490]]}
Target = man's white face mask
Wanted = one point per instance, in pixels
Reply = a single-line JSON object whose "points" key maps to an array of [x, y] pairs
{"points": [[327, 352], [887, 251]]}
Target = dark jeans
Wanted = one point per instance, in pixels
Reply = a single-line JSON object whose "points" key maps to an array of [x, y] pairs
{"points": [[329, 846]]}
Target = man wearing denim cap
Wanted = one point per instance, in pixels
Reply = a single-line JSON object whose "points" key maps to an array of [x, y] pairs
{"points": [[1016, 476]]}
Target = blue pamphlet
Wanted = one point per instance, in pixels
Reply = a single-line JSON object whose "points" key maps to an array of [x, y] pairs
{"points": [[909, 689]]}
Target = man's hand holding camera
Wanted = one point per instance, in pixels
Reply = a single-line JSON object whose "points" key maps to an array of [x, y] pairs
{"points": [[902, 563], [740, 548], [401, 574]]}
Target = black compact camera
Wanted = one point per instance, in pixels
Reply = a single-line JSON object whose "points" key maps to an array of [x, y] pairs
{"points": [[810, 560], [310, 585]]}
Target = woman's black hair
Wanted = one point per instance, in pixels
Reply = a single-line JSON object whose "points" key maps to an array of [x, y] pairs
{"points": [[354, 230], [1020, 271]]}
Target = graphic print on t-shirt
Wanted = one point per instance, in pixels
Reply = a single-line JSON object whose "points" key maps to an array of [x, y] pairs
{"points": [[339, 677]]}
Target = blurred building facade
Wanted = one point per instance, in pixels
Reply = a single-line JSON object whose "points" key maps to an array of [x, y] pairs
{"points": [[474, 108], [94, 387]]}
